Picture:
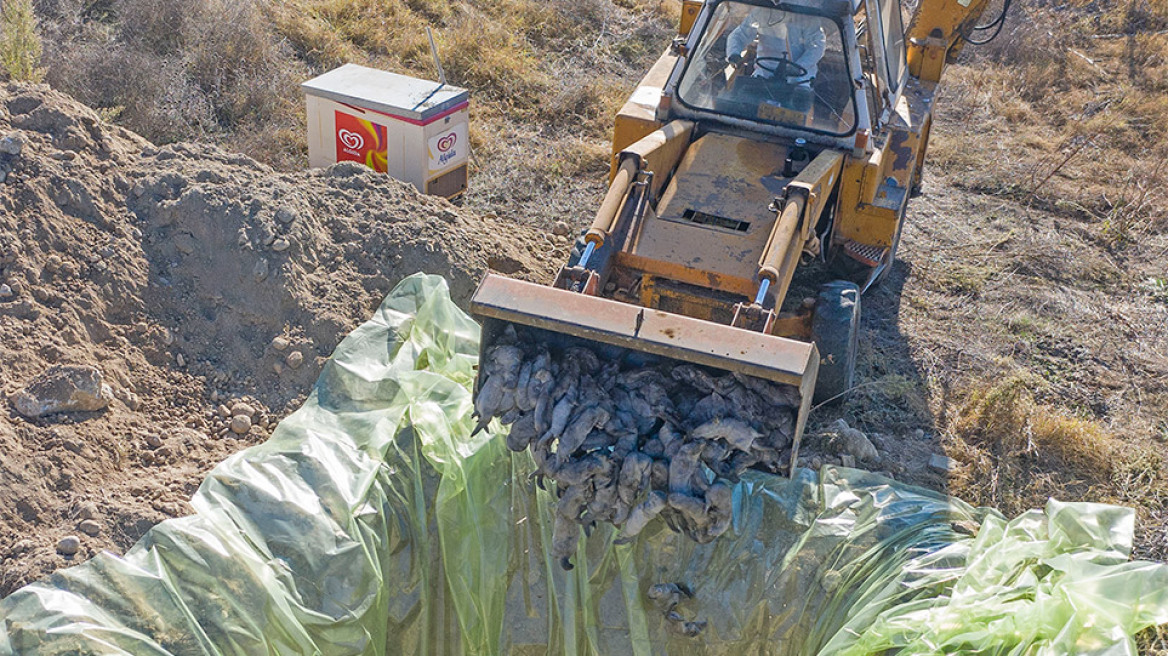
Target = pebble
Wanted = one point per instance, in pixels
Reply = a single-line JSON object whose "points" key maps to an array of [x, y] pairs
{"points": [[153, 441], [11, 144], [22, 547], [918, 434], [281, 245], [240, 424], [285, 215], [280, 343], [224, 411], [242, 409], [561, 229], [942, 464], [69, 545], [87, 510], [89, 527], [848, 460], [260, 270], [182, 362], [294, 359], [6, 291]]}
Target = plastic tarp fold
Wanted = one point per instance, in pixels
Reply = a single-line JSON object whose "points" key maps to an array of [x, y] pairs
{"points": [[373, 523]]}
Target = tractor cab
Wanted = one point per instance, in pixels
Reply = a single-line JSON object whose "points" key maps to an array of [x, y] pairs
{"points": [[830, 71], [776, 65]]}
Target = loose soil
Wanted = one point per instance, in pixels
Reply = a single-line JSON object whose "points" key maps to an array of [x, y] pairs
{"points": [[174, 270]]}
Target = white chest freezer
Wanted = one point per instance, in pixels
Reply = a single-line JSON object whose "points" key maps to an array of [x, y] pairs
{"points": [[414, 130]]}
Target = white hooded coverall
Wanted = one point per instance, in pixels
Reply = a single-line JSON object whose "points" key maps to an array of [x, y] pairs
{"points": [[780, 34]]}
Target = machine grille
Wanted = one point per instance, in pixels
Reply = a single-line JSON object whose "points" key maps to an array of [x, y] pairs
{"points": [[702, 218]]}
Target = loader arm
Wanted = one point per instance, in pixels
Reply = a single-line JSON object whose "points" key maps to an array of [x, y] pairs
{"points": [[937, 32]]}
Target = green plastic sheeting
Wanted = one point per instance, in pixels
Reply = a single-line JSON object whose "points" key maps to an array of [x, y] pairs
{"points": [[372, 523]]}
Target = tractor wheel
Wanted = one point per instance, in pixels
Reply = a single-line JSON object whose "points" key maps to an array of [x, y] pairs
{"points": [[835, 329]]}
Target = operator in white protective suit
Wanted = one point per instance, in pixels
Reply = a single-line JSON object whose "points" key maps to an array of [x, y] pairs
{"points": [[794, 37]]}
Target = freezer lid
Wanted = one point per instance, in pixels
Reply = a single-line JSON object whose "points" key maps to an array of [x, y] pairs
{"points": [[397, 95]]}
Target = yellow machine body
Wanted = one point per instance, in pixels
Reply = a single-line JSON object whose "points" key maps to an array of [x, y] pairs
{"points": [[694, 248]]}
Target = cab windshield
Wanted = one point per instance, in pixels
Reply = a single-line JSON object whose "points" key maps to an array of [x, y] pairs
{"points": [[770, 65]]}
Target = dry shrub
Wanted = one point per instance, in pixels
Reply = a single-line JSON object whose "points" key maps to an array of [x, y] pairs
{"points": [[179, 69], [234, 61], [161, 27], [310, 35], [20, 45], [493, 60], [1141, 207], [146, 92], [1023, 452]]}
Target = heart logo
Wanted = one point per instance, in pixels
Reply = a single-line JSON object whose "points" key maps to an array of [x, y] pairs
{"points": [[447, 142], [351, 139]]}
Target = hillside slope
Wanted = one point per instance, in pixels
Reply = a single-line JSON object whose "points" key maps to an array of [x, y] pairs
{"points": [[192, 278]]}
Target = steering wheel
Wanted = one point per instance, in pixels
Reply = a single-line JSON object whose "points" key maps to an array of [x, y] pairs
{"points": [[783, 68]]}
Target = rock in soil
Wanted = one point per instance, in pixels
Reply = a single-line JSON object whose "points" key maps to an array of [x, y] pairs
{"points": [[240, 424], [942, 464], [243, 409], [12, 144], [89, 527], [69, 545], [846, 439], [64, 388], [295, 359]]}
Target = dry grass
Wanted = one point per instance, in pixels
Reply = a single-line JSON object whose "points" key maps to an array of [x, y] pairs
{"points": [[1032, 451], [1068, 111], [1019, 452]]}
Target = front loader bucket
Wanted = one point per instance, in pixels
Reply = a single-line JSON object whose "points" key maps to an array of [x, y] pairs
{"points": [[499, 301]]}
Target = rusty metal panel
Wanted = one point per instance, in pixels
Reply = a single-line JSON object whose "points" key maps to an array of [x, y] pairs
{"points": [[648, 330], [688, 275]]}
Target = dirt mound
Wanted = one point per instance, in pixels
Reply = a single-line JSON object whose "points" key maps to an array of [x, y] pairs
{"points": [[193, 279]]}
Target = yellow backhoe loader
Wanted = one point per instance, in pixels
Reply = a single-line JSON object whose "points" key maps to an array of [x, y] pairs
{"points": [[768, 135]]}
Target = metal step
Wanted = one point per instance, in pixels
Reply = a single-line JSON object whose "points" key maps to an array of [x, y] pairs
{"points": [[864, 253]]}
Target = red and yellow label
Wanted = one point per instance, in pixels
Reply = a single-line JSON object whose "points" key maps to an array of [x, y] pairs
{"points": [[362, 141]]}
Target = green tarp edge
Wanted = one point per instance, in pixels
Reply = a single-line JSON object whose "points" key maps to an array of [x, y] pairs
{"points": [[373, 523]]}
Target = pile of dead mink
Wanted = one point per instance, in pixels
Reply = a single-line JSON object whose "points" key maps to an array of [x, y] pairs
{"points": [[628, 437]]}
